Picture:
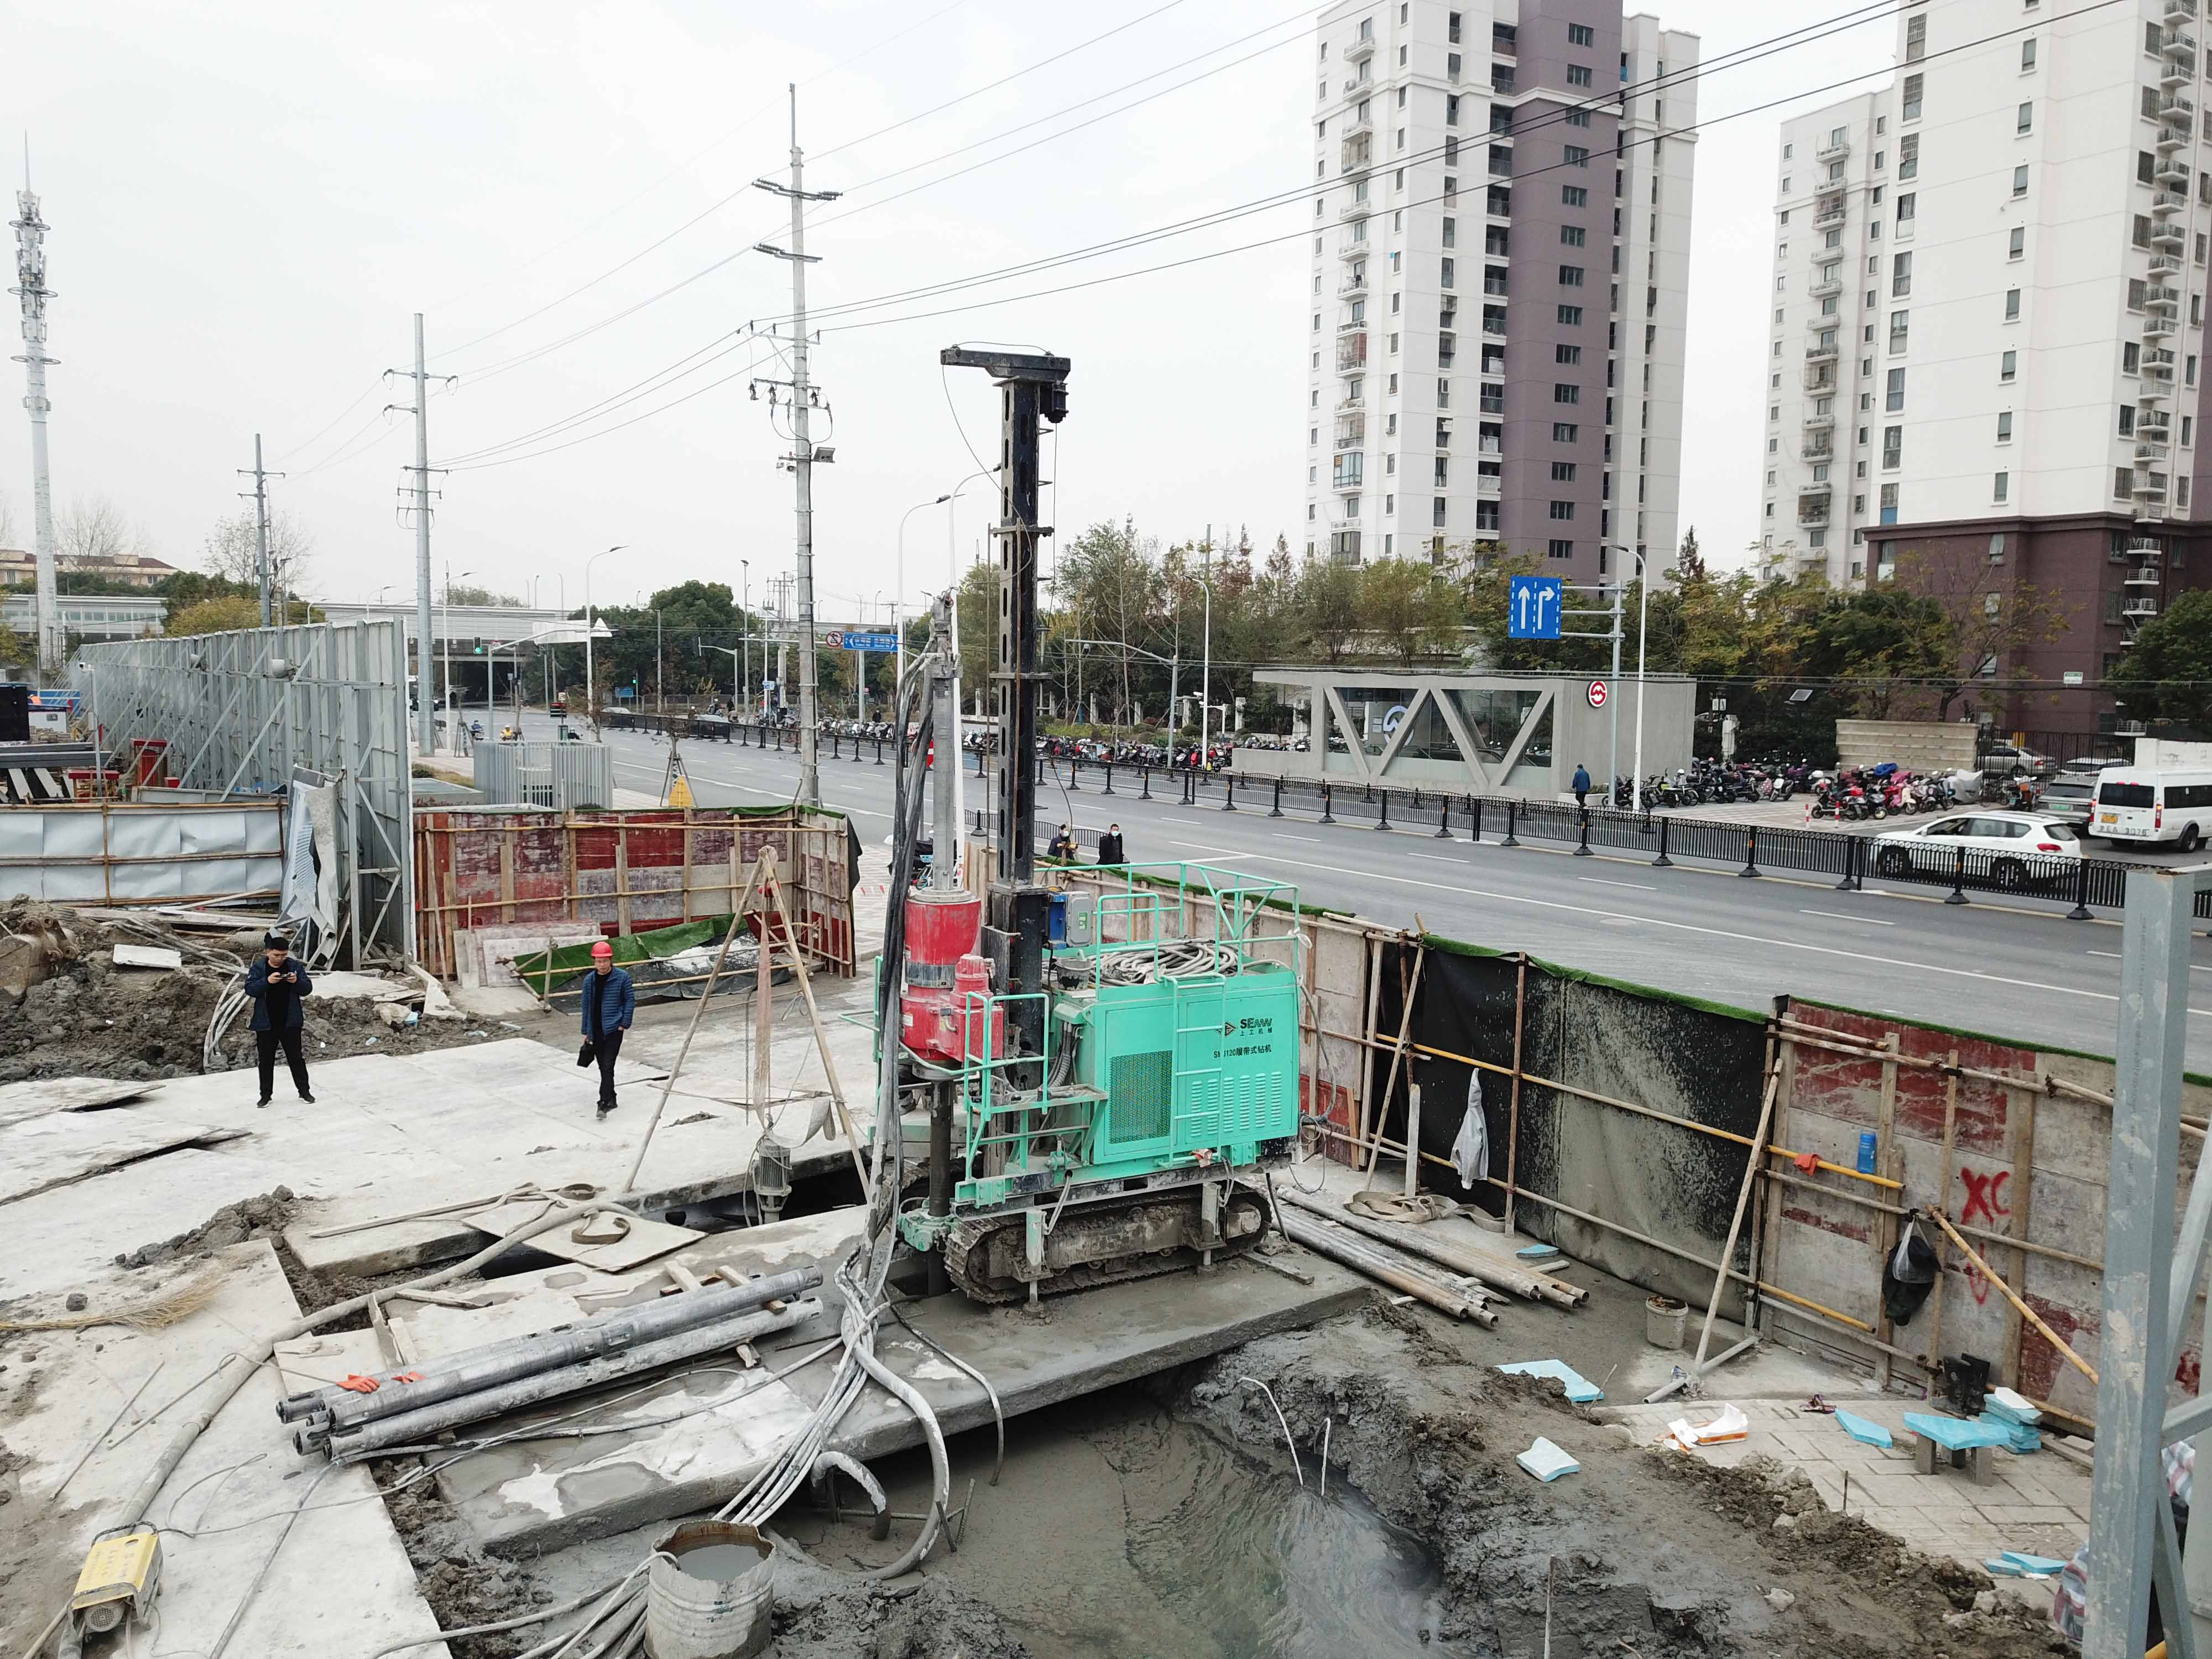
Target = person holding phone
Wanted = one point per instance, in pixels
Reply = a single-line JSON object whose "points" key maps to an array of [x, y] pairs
{"points": [[279, 984]]}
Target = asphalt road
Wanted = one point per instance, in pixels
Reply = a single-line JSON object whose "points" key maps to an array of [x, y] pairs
{"points": [[2002, 966]]}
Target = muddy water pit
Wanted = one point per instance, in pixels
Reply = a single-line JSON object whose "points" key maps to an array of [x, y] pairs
{"points": [[1122, 1529]]}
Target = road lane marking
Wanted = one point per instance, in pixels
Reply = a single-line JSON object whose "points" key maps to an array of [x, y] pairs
{"points": [[1712, 932], [1641, 887], [1279, 835], [1837, 915]]}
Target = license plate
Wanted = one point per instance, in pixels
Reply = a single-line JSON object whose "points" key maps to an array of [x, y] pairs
{"points": [[2108, 817]]}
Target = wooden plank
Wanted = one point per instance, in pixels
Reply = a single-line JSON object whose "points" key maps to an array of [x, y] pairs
{"points": [[2020, 1114], [1892, 1156]]}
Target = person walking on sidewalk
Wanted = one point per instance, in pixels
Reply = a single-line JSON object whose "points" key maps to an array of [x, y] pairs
{"points": [[609, 1001], [279, 984], [1581, 786]]}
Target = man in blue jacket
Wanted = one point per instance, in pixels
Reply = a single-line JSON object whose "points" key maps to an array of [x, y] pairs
{"points": [[278, 983], [609, 1002]]}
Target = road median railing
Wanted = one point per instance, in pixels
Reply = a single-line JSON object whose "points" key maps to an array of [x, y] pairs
{"points": [[1756, 849]]}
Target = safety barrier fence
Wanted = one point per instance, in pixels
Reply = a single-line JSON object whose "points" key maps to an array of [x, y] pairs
{"points": [[2085, 884]]}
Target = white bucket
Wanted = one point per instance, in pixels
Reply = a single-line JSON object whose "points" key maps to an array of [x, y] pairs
{"points": [[1663, 1320], [714, 1599]]}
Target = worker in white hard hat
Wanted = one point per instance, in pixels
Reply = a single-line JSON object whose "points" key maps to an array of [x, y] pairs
{"points": [[609, 1002]]}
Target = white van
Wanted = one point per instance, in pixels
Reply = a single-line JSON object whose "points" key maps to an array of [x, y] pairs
{"points": [[2135, 803]]}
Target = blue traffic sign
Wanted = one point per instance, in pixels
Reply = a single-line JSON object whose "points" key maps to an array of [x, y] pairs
{"points": [[1532, 608], [853, 640]]}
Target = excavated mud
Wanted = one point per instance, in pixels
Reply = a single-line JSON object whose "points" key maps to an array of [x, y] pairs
{"points": [[1644, 1552]]}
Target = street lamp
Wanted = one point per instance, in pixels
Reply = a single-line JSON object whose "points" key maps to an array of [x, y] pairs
{"points": [[591, 680], [744, 628], [1643, 608]]}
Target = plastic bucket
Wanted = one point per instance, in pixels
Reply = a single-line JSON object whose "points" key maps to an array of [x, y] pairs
{"points": [[1664, 1319], [709, 1593]]}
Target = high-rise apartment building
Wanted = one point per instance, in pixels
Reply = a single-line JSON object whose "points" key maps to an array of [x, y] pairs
{"points": [[1986, 333], [1500, 268]]}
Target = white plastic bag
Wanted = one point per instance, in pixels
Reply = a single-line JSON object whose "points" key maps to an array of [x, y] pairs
{"points": [[1471, 1148]]}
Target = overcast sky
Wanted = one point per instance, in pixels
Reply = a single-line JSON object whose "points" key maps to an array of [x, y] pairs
{"points": [[249, 201]]}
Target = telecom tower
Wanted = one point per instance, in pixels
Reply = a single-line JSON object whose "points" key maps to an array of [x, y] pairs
{"points": [[31, 284]]}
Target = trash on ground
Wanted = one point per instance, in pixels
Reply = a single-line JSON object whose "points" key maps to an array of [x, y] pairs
{"points": [[2018, 1563], [1580, 1389], [1860, 1428], [1730, 1424], [1547, 1462]]}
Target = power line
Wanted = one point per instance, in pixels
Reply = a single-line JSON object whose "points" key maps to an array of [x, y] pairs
{"points": [[664, 377]]}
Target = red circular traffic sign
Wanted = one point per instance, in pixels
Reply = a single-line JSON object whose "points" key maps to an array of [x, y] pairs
{"points": [[1597, 694]]}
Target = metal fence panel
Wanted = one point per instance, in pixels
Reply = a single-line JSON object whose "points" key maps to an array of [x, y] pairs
{"points": [[242, 711]]}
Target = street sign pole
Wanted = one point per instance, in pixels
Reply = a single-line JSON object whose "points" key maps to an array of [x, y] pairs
{"points": [[1612, 702]]}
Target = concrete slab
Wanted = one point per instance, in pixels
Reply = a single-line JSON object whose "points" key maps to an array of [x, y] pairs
{"points": [[542, 1495], [341, 1581], [40, 1096], [58, 1149]]}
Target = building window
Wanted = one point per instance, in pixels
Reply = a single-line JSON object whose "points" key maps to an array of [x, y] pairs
{"points": [[1571, 316], [1909, 108], [2024, 119], [1578, 74], [1445, 273], [2011, 305], [1573, 196], [1576, 156], [2127, 420], [2015, 247], [2004, 426], [1570, 276], [1565, 432], [1566, 353], [1570, 235], [2131, 357], [1908, 208], [1908, 157], [1894, 397], [1888, 512], [1916, 37], [2027, 54], [2124, 482], [1563, 393], [1563, 471], [1581, 34], [1900, 324], [1559, 550], [1900, 276], [1436, 512], [2008, 367], [1562, 510], [1893, 448], [1451, 109], [2020, 179]]}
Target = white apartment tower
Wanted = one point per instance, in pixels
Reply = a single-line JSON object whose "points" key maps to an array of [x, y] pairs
{"points": [[1499, 270], [1986, 332]]}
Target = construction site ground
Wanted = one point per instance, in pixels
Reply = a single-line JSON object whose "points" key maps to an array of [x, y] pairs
{"points": [[1140, 1459]]}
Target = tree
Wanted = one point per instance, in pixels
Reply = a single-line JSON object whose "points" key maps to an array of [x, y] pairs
{"points": [[1689, 562], [1414, 608], [2168, 674], [1327, 599], [232, 551], [1993, 625], [978, 625], [95, 528], [483, 598], [14, 646], [1106, 581], [225, 614], [1883, 641]]}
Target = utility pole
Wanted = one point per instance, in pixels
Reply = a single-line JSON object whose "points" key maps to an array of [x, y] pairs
{"points": [[30, 286], [803, 452], [261, 478], [426, 726]]}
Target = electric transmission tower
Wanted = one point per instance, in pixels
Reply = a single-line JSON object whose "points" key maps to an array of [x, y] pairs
{"points": [[30, 286]]}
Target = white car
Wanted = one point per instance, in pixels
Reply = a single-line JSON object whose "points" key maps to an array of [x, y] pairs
{"points": [[2010, 849]]}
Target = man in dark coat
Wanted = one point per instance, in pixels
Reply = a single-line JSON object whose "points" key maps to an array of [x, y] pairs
{"points": [[279, 984], [1110, 846], [609, 1002], [1581, 786]]}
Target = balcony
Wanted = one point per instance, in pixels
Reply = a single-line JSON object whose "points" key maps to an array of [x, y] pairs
{"points": [[2140, 611], [2178, 109], [1358, 208], [2175, 12], [2180, 45], [1352, 404], [1820, 422], [2171, 139], [1355, 248], [1814, 513], [1826, 290], [1489, 484], [2153, 392], [2165, 267], [1822, 451], [1823, 323], [1352, 287], [2147, 453], [1834, 151], [1355, 437], [2162, 297], [2157, 328], [2149, 487], [2166, 202], [1817, 354], [2167, 233], [1828, 218], [1355, 153], [2152, 428], [1357, 126], [1351, 354], [2172, 172], [2143, 575], [1360, 50]]}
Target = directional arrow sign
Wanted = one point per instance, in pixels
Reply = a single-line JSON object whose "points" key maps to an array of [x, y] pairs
{"points": [[1532, 608]]}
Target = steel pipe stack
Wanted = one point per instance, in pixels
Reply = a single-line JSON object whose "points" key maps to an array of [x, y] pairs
{"points": [[620, 1338]]}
